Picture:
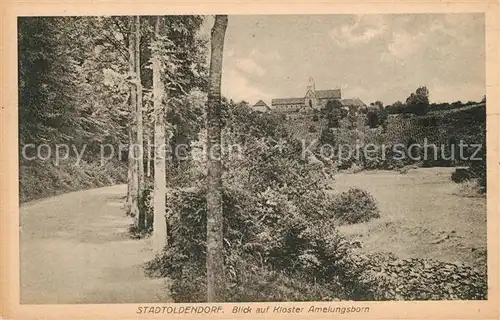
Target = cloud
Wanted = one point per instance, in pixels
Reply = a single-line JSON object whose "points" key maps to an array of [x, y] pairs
{"points": [[365, 29], [249, 66], [441, 91], [271, 55], [444, 35], [404, 44], [381, 57], [237, 87], [229, 53]]}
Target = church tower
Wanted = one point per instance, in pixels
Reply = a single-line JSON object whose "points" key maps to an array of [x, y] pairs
{"points": [[311, 85], [311, 100]]}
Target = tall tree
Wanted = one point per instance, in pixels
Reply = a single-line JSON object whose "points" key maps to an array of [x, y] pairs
{"points": [[215, 245], [418, 102], [133, 182], [160, 183], [139, 126], [48, 84]]}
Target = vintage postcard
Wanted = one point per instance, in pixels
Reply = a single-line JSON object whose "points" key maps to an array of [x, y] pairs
{"points": [[249, 160]]}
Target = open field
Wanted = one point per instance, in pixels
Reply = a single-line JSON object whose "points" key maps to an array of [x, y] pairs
{"points": [[421, 216]]}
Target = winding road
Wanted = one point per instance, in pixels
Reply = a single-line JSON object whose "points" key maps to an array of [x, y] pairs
{"points": [[75, 248]]}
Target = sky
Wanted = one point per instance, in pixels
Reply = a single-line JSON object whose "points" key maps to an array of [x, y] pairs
{"points": [[372, 57]]}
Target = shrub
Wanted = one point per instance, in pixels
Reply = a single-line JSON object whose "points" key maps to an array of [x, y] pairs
{"points": [[40, 179], [478, 167], [260, 285], [354, 206], [273, 249], [461, 175]]}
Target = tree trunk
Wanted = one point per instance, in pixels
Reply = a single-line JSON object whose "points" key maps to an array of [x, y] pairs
{"points": [[148, 150], [160, 183], [140, 139], [215, 245], [133, 182], [128, 203]]}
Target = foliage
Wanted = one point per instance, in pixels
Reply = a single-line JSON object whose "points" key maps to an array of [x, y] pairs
{"points": [[265, 236], [274, 252], [327, 137], [418, 102], [275, 206], [478, 163], [396, 108], [435, 107], [279, 230], [354, 206], [333, 113], [461, 175], [188, 118], [74, 88], [47, 87], [266, 155], [40, 179], [372, 117]]}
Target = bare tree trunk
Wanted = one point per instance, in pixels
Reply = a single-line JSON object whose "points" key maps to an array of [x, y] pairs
{"points": [[215, 245], [148, 150], [133, 182], [160, 183], [140, 139], [128, 204]]}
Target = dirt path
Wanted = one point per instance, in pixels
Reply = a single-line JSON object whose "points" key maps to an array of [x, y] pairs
{"points": [[421, 216], [75, 248]]}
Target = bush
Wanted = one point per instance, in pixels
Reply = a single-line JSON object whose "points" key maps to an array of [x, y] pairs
{"points": [[461, 175], [261, 285], [354, 206], [40, 179], [478, 167], [272, 249]]}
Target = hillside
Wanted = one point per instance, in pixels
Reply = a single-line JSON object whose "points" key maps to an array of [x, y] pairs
{"points": [[304, 127], [438, 127]]}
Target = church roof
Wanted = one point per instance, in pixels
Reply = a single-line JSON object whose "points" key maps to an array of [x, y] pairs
{"points": [[275, 102], [355, 102], [328, 94], [261, 103]]}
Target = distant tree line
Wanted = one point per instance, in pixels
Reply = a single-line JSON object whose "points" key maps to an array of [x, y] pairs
{"points": [[418, 103], [377, 114]]}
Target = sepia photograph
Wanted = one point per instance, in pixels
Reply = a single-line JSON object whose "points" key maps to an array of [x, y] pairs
{"points": [[180, 162]]}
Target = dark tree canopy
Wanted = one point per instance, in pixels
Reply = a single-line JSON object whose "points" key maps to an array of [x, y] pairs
{"points": [[418, 102]]}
